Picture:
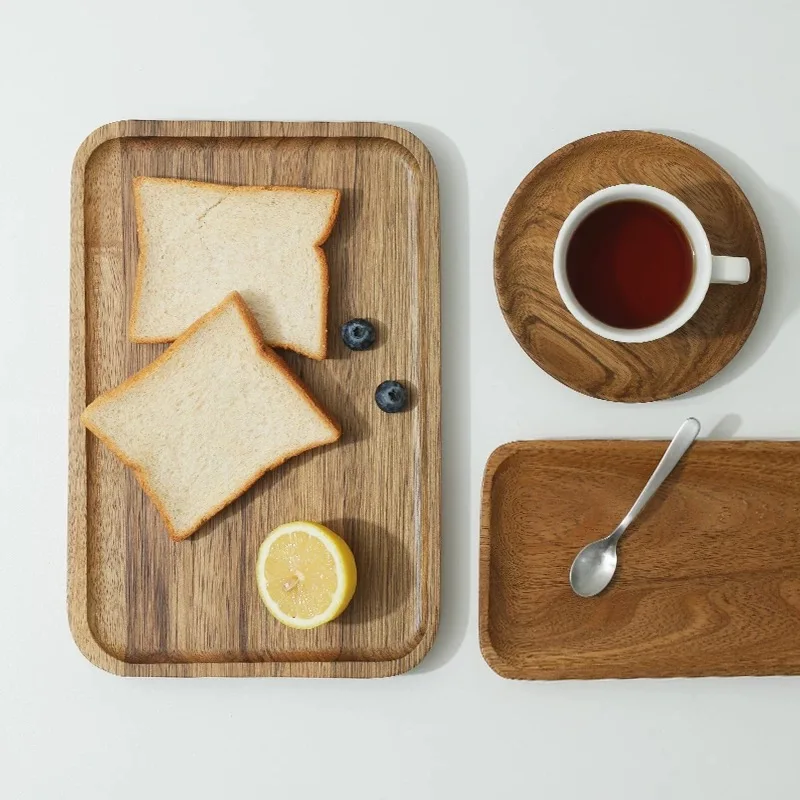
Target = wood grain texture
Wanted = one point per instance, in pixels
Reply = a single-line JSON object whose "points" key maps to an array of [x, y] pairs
{"points": [[554, 339], [708, 581], [140, 604]]}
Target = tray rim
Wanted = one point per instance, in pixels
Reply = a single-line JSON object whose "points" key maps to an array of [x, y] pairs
{"points": [[494, 463], [77, 513], [496, 459]]}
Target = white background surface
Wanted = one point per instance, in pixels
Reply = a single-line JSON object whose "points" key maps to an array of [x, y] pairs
{"points": [[491, 87]]}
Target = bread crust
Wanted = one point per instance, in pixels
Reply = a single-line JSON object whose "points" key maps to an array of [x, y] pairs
{"points": [[322, 261], [267, 353]]}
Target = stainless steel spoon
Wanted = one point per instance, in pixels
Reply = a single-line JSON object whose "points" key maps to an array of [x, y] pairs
{"points": [[594, 566]]}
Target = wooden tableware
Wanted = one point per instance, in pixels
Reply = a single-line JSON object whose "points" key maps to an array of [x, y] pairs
{"points": [[709, 577], [554, 339], [140, 604]]}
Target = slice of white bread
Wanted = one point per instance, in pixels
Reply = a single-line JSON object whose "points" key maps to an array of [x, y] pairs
{"points": [[207, 418], [200, 241]]}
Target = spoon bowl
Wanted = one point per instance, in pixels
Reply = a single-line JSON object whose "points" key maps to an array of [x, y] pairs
{"points": [[594, 566]]}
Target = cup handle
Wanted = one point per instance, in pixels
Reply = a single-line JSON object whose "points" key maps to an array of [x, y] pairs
{"points": [[729, 269]]}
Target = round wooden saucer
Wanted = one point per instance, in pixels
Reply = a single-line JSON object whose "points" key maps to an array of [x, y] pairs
{"points": [[554, 339]]}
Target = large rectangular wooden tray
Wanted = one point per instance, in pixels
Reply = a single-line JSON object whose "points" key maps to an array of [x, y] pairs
{"points": [[708, 581], [140, 604]]}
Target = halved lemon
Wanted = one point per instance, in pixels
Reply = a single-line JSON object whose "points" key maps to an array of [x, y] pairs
{"points": [[306, 574]]}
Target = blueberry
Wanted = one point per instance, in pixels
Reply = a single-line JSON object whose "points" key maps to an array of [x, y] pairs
{"points": [[391, 397], [358, 334]]}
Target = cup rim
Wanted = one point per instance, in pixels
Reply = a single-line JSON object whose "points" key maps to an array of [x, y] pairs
{"points": [[692, 229]]}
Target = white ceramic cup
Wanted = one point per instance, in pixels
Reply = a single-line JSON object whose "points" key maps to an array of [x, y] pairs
{"points": [[708, 268]]}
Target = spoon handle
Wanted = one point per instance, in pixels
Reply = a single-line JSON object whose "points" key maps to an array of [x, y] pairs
{"points": [[682, 441]]}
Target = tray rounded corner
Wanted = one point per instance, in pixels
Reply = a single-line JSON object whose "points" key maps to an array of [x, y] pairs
{"points": [[498, 457], [100, 135], [407, 660], [496, 664], [418, 653], [412, 143], [91, 649]]}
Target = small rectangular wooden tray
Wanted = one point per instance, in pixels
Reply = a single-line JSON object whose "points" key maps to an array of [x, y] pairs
{"points": [[708, 581], [140, 604]]}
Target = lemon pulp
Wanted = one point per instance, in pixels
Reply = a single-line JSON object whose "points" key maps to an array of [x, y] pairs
{"points": [[306, 574]]}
